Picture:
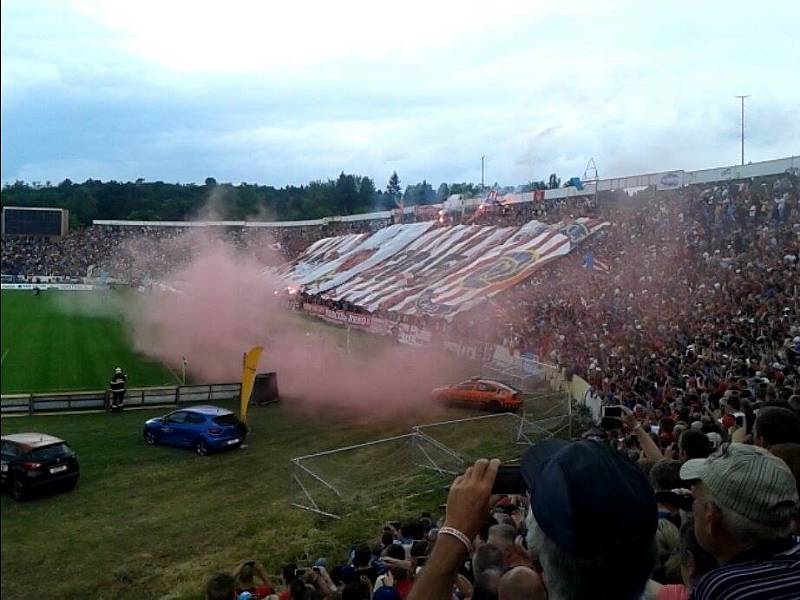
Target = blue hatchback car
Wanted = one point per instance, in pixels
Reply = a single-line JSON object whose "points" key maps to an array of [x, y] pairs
{"points": [[204, 428]]}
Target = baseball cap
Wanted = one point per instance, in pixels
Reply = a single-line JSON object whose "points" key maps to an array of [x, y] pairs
{"points": [[714, 438], [747, 480], [386, 593], [588, 498]]}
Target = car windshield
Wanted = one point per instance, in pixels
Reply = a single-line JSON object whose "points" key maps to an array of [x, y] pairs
{"points": [[226, 420], [50, 452]]}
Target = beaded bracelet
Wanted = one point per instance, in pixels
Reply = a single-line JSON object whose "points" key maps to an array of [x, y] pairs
{"points": [[452, 531]]}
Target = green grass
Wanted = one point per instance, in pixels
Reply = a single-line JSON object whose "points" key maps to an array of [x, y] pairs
{"points": [[149, 522], [155, 522], [68, 341]]}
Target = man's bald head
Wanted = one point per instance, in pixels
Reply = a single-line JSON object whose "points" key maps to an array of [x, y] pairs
{"points": [[502, 536], [521, 583]]}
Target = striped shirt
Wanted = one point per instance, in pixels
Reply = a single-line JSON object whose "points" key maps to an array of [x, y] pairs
{"points": [[770, 572]]}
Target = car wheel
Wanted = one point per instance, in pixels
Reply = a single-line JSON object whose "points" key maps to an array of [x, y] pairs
{"points": [[200, 448], [18, 491], [150, 438], [495, 406]]}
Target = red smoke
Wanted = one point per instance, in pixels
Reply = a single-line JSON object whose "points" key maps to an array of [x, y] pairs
{"points": [[225, 304]]}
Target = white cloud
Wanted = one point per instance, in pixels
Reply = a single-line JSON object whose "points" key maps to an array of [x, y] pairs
{"points": [[290, 92]]}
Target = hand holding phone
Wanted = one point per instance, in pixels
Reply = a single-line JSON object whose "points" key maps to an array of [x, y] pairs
{"points": [[509, 481]]}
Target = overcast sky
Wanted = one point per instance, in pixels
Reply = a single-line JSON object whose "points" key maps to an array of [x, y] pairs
{"points": [[287, 92]]}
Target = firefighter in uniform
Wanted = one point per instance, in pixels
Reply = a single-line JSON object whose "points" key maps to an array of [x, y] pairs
{"points": [[117, 386]]}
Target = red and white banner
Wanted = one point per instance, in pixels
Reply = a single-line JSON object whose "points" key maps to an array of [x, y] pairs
{"points": [[406, 333], [419, 269]]}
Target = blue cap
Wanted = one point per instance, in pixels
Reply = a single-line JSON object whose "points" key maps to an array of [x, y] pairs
{"points": [[588, 498], [386, 593]]}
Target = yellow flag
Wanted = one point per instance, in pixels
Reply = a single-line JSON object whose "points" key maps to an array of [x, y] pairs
{"points": [[249, 366]]}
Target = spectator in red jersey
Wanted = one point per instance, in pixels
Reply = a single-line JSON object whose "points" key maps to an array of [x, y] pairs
{"points": [[246, 575]]}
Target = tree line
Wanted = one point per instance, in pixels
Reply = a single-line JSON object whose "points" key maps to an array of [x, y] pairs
{"points": [[142, 200]]}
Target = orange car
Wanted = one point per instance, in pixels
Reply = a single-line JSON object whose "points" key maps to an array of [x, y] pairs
{"points": [[480, 393]]}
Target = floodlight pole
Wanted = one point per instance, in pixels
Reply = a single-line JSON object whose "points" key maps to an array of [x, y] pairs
{"points": [[592, 167], [483, 158], [742, 97]]}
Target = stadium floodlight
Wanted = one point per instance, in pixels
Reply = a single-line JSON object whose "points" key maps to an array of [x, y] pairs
{"points": [[742, 97], [590, 173]]}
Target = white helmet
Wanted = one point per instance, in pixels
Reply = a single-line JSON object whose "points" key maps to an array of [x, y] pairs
{"points": [[118, 370]]}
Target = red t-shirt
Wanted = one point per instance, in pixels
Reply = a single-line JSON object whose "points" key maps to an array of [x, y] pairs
{"points": [[673, 592], [728, 421], [258, 592], [404, 587]]}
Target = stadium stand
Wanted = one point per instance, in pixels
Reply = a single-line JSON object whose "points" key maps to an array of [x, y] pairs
{"points": [[683, 312], [690, 325]]}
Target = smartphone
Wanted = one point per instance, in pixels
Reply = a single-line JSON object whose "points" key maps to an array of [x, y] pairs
{"points": [[681, 501], [509, 481], [316, 569], [614, 412]]}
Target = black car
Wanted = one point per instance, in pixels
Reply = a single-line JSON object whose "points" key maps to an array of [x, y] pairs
{"points": [[36, 461]]}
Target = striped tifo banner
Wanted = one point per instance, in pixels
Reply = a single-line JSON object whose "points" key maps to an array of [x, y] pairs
{"points": [[424, 270]]}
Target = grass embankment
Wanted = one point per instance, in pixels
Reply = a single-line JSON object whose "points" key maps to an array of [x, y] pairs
{"points": [[148, 522]]}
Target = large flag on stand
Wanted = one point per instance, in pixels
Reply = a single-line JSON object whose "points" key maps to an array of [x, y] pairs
{"points": [[249, 367], [421, 269]]}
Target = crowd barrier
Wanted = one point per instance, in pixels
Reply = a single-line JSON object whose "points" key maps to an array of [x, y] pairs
{"points": [[80, 287], [31, 404]]}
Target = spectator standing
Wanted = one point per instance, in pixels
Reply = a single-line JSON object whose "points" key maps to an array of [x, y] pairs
{"points": [[245, 580], [744, 502], [776, 425], [220, 586], [592, 523]]}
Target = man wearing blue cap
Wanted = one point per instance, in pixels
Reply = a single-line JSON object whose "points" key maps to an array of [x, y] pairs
{"points": [[592, 523]]}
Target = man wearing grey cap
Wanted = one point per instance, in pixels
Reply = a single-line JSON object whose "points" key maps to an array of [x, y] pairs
{"points": [[744, 501]]}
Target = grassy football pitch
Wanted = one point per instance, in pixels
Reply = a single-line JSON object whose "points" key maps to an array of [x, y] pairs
{"points": [[156, 522], [62, 341]]}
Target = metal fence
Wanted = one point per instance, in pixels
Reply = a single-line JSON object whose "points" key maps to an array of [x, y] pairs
{"points": [[31, 404], [335, 482]]}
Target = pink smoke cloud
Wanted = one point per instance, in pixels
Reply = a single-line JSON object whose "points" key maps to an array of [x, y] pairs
{"points": [[226, 303]]}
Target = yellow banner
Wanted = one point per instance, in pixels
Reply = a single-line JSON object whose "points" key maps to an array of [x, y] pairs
{"points": [[249, 366]]}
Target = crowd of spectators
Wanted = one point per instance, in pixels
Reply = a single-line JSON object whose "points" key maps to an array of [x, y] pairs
{"points": [[132, 253], [551, 210], [588, 519]]}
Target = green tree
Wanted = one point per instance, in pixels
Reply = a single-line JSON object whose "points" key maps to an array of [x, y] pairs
{"points": [[393, 188], [366, 194], [345, 194], [82, 205]]}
